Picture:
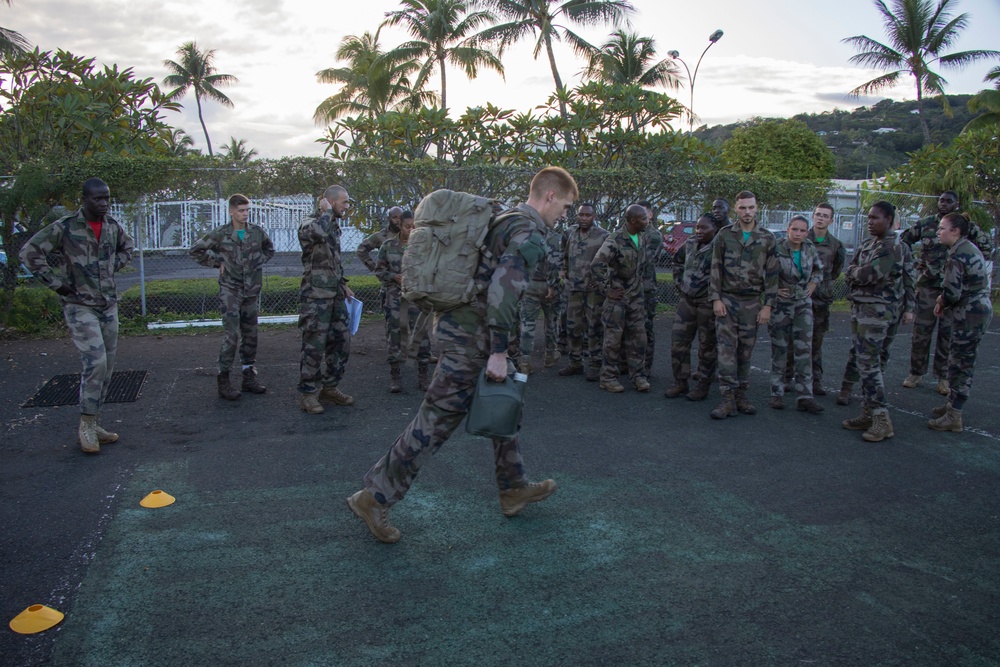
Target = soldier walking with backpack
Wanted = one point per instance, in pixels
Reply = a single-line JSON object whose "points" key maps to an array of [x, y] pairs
{"points": [[472, 335]]}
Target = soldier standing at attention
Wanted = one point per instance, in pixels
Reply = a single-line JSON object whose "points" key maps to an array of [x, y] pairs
{"points": [[371, 244], [692, 272], [583, 307], [653, 239], [323, 319], [875, 280], [470, 337], [740, 279], [965, 297], [88, 247], [930, 264], [618, 272], [239, 250]]}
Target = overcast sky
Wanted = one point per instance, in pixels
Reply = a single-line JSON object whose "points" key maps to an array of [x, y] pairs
{"points": [[777, 58]]}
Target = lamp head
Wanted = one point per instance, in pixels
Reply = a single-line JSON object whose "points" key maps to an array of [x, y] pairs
{"points": [[674, 54], [715, 36]]}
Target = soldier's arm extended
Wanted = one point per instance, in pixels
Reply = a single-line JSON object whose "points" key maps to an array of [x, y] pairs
{"points": [[911, 234], [364, 251], [123, 253], [205, 250]]}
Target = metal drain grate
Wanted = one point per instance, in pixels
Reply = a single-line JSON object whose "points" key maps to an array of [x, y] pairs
{"points": [[65, 390]]}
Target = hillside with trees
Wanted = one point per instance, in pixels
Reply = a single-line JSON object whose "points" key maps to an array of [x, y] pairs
{"points": [[859, 140]]}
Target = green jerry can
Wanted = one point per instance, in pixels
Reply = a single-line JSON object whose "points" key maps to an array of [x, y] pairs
{"points": [[496, 406]]}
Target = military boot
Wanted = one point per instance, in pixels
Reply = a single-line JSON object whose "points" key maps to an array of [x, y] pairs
{"points": [[612, 385], [88, 434], [226, 390], [818, 389], [641, 383], [727, 408], [572, 369], [862, 422], [743, 403], [250, 383], [941, 410], [951, 420], [335, 396], [395, 379], [104, 437], [310, 403], [593, 373], [700, 392], [524, 365], [423, 376], [912, 381], [513, 501], [551, 358], [943, 387], [808, 405], [881, 428], [678, 388], [375, 516], [844, 397]]}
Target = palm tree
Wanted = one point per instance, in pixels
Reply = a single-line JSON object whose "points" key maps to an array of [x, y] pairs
{"points": [[628, 58], [371, 83], [11, 41], [919, 33], [196, 72], [179, 143], [238, 151], [541, 19], [987, 101], [443, 31]]}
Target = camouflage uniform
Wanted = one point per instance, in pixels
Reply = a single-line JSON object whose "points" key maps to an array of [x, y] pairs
{"points": [[791, 325], [583, 302], [692, 269], [467, 335], [86, 266], [740, 279], [544, 278], [930, 264], [323, 319], [966, 298], [389, 265], [832, 255], [371, 244], [239, 285], [619, 263], [875, 278], [653, 240]]}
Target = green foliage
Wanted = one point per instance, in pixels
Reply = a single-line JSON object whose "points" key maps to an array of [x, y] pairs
{"points": [[780, 148], [30, 310]]}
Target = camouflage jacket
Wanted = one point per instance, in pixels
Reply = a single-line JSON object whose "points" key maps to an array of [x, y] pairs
{"points": [[653, 240], [966, 281], [372, 243], [741, 269], [241, 260], [693, 269], [833, 255], [578, 250], [789, 276], [933, 254], [84, 264], [546, 273], [907, 287], [619, 264], [515, 247], [322, 267], [389, 263], [876, 273]]}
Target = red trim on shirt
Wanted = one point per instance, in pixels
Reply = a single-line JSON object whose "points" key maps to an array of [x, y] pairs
{"points": [[96, 226]]}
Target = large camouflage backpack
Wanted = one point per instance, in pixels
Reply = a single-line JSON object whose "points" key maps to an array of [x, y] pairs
{"points": [[442, 255]]}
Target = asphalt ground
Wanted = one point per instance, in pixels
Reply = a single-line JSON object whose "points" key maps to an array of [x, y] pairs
{"points": [[776, 539]]}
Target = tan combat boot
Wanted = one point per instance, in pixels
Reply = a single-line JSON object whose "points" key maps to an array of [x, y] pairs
{"points": [[641, 384], [310, 403], [951, 420], [881, 428], [551, 358], [573, 369], [375, 516], [863, 422], [943, 387], [226, 390], [423, 377], [593, 373], [104, 437], [513, 501], [941, 410], [727, 408], [335, 396], [844, 397], [395, 379], [88, 434], [699, 392], [678, 388], [524, 365], [743, 403], [912, 381], [250, 383], [613, 386]]}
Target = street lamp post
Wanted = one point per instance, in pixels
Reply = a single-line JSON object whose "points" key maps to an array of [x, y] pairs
{"points": [[712, 39]]}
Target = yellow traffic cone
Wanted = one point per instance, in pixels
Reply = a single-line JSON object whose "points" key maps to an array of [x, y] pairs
{"points": [[157, 499], [35, 618]]}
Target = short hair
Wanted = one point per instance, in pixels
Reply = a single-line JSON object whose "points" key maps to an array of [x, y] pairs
{"points": [[554, 178], [645, 203], [394, 209], [827, 205], [710, 218], [888, 209], [406, 215], [238, 200], [745, 194], [587, 204], [334, 191], [950, 192], [635, 211], [92, 184], [798, 217], [958, 221]]}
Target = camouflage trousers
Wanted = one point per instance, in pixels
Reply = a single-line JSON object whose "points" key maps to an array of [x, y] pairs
{"points": [[531, 306], [95, 333], [693, 318], [563, 322], [583, 326], [624, 322], [394, 308], [851, 372], [791, 331], [969, 324], [326, 343], [821, 324], [870, 325], [239, 319], [464, 341], [736, 335], [649, 303], [923, 333]]}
